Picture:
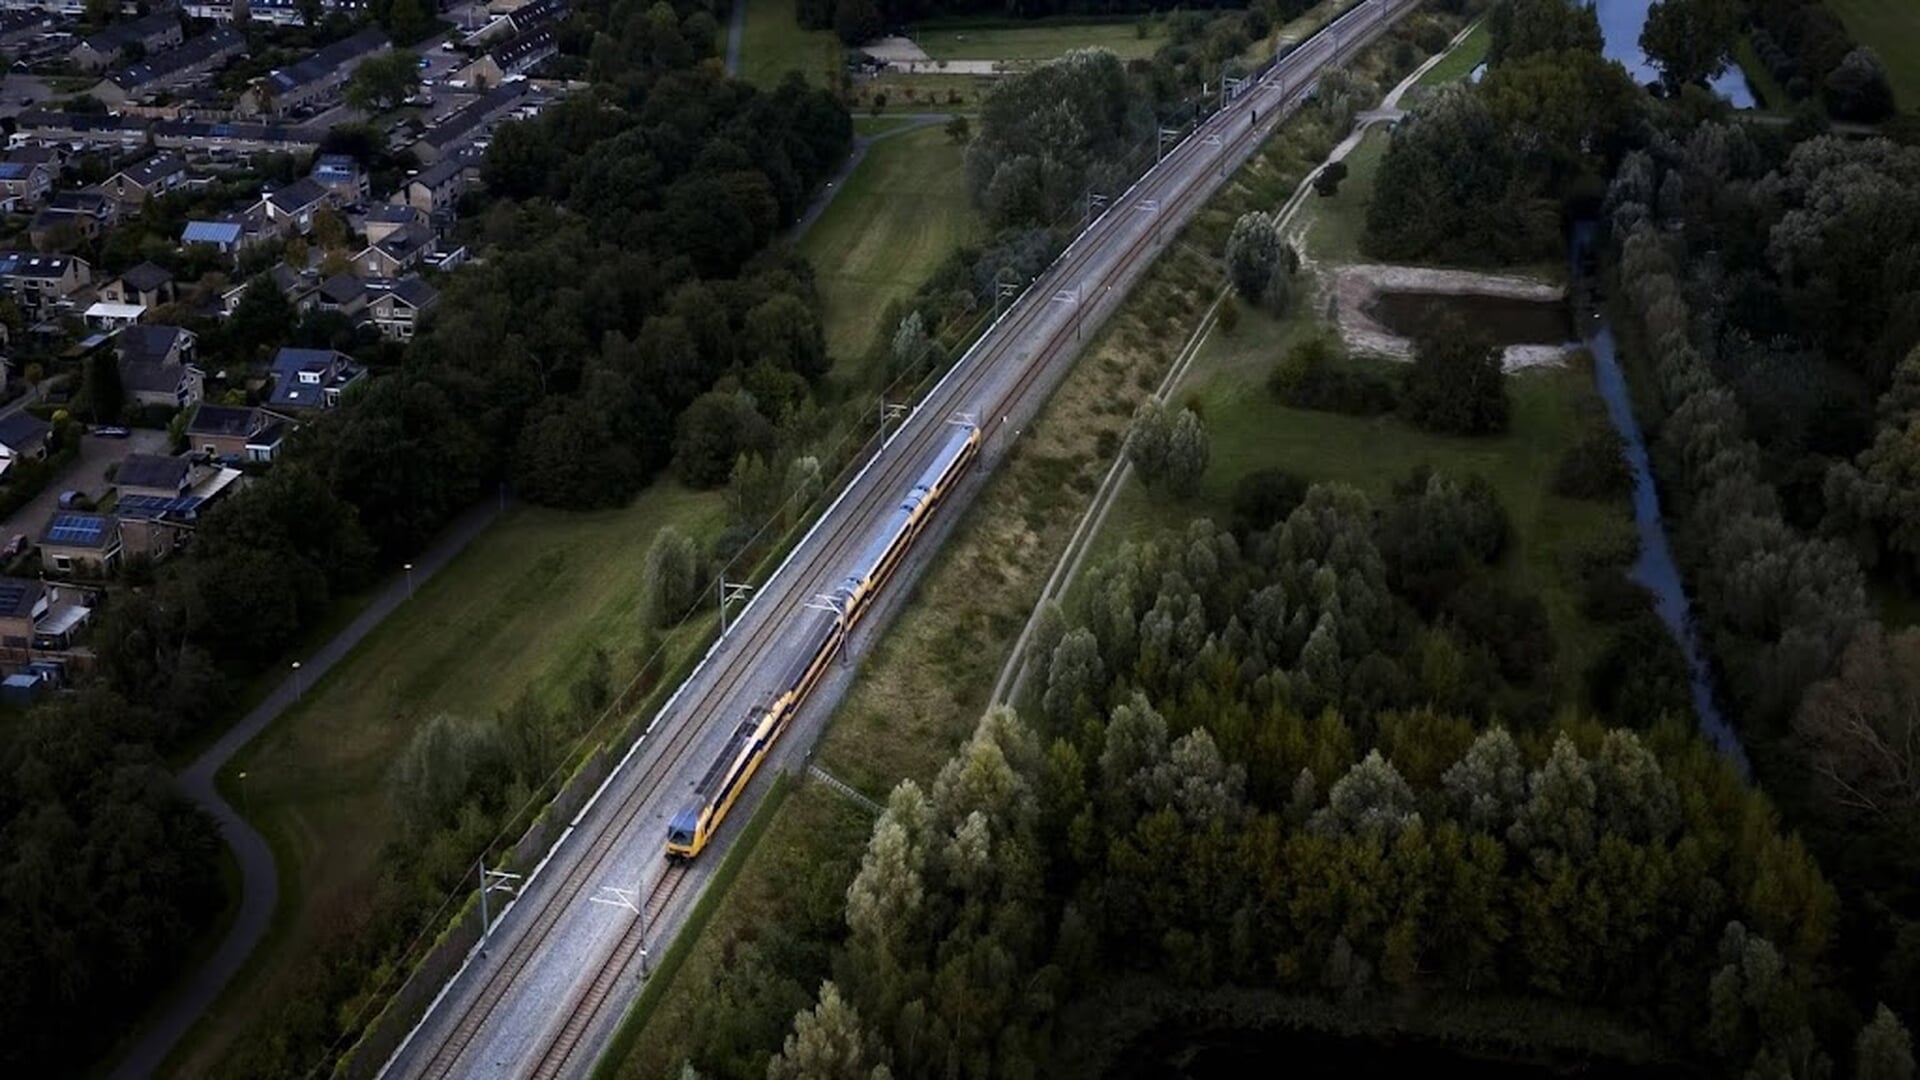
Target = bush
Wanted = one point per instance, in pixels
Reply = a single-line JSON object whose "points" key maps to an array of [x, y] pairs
{"points": [[1610, 596], [1640, 675], [1265, 497], [1512, 626], [1457, 385], [1316, 376], [1595, 467], [1326, 182]]}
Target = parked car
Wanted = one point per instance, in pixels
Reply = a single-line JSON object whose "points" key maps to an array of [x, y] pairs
{"points": [[111, 432], [15, 548], [72, 500]]}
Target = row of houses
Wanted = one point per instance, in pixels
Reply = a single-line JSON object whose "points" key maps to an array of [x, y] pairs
{"points": [[194, 58]]}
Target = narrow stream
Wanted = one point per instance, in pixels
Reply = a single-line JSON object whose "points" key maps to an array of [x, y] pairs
{"points": [[1655, 567]]}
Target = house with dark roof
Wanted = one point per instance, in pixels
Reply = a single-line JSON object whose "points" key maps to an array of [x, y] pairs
{"points": [[301, 288], [235, 433], [23, 602], [23, 435], [291, 209], [155, 176], [398, 309], [153, 34], [145, 284], [86, 213], [311, 378], [316, 80], [437, 187], [469, 122], [394, 254], [155, 475], [194, 58], [157, 365], [226, 237], [24, 184], [40, 283], [384, 220], [343, 293], [517, 55], [77, 543], [342, 175]]}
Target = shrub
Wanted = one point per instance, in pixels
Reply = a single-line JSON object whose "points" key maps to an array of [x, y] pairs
{"points": [[1314, 375], [1265, 497], [1595, 467], [1457, 385]]}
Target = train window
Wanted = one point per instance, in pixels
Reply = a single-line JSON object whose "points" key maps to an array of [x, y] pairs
{"points": [[679, 836]]}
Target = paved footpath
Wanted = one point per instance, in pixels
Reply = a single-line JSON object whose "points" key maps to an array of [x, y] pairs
{"points": [[736, 29], [259, 882], [855, 155]]}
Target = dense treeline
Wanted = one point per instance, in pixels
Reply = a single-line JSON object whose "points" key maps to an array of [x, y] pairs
{"points": [[1478, 172], [626, 312], [1258, 763], [1772, 357]]}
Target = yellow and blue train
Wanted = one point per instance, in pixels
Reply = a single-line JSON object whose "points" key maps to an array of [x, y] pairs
{"points": [[820, 634]]}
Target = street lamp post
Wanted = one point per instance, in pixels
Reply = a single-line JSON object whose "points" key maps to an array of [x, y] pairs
{"points": [[409, 569], [245, 808], [297, 689]]}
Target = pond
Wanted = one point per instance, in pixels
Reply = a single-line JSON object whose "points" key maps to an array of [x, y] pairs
{"points": [[1502, 320], [1620, 24]]}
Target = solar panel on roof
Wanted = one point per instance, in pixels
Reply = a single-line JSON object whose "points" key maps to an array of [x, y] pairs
{"points": [[82, 529], [11, 593]]}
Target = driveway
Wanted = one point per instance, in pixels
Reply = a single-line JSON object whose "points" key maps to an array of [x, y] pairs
{"points": [[87, 472], [17, 89]]}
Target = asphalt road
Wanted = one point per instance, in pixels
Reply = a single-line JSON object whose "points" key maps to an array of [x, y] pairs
{"points": [[555, 938]]}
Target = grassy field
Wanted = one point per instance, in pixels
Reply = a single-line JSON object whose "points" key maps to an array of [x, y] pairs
{"points": [[1038, 40], [1892, 27], [1459, 63], [1251, 430], [903, 211], [773, 44], [521, 609], [1331, 227]]}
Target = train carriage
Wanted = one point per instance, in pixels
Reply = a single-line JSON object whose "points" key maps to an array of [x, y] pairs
{"points": [[819, 635]]}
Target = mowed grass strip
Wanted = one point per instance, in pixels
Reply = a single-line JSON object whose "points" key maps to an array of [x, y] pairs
{"points": [[1129, 39], [1892, 28], [522, 609], [1330, 227], [1460, 63], [902, 213], [773, 44]]}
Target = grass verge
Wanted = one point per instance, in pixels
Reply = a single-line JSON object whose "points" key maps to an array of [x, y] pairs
{"points": [[1892, 27], [1459, 63], [1765, 87], [522, 608], [902, 213], [661, 1000], [1036, 40], [773, 44]]}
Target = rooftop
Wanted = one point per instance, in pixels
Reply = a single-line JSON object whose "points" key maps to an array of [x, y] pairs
{"points": [[75, 530], [19, 430], [19, 596], [152, 471], [143, 344], [324, 62], [211, 232], [173, 62], [298, 195], [146, 277], [122, 34], [223, 420]]}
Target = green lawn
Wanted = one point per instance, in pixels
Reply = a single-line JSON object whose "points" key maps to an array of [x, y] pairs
{"points": [[773, 44], [1461, 61], [523, 607], [1892, 27], [903, 211], [1036, 41], [1334, 225]]}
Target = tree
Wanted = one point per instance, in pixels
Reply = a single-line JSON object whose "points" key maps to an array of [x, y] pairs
{"points": [[959, 129], [1326, 182], [1457, 384], [1857, 90], [856, 21], [1372, 796], [261, 319], [1188, 451], [1074, 674], [827, 1043], [1147, 440], [1254, 255], [672, 576], [713, 432], [1521, 28], [1884, 1050], [1690, 40], [914, 352], [105, 394], [409, 21], [433, 775], [1861, 728], [383, 80], [1487, 786]]}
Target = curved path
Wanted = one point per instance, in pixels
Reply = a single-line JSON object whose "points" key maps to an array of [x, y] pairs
{"points": [[259, 881], [825, 196]]}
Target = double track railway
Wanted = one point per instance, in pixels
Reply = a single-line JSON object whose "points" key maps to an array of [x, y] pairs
{"points": [[1095, 270]]}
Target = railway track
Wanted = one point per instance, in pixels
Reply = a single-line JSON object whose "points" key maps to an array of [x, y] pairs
{"points": [[963, 390]]}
